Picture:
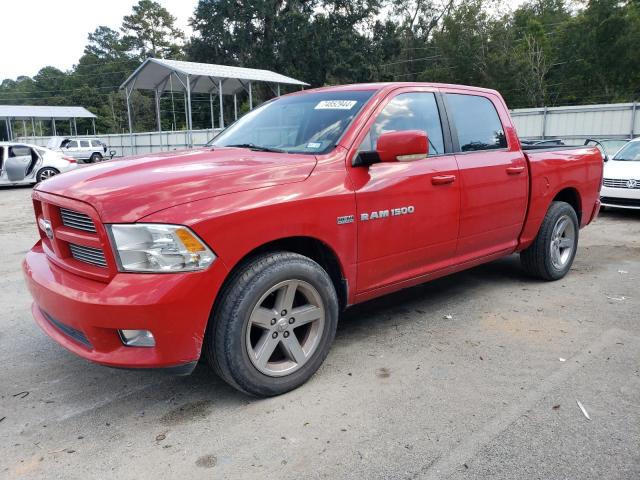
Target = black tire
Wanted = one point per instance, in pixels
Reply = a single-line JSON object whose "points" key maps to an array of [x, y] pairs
{"points": [[225, 346], [95, 157], [537, 260], [45, 173]]}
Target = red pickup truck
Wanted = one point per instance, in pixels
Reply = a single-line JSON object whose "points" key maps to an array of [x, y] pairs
{"points": [[243, 252]]}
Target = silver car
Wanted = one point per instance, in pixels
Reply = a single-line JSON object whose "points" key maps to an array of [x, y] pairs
{"points": [[84, 150], [24, 164]]}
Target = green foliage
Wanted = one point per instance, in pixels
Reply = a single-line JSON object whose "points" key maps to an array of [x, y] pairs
{"points": [[545, 52]]}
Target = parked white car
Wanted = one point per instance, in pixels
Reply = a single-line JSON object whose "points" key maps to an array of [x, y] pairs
{"points": [[23, 164], [621, 183], [84, 150]]}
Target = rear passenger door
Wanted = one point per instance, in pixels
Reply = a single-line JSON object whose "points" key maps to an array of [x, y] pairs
{"points": [[85, 150], [493, 174], [18, 162]]}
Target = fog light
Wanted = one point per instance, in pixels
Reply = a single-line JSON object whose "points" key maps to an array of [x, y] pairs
{"points": [[137, 338]]}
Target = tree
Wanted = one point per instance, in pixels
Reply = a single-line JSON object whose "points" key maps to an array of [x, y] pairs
{"points": [[150, 31]]}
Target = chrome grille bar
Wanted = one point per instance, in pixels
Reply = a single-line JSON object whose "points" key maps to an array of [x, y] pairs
{"points": [[90, 255], [619, 183], [77, 220]]}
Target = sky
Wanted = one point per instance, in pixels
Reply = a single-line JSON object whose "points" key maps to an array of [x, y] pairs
{"points": [[37, 33]]}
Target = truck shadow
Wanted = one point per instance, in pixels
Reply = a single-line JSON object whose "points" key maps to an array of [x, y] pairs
{"points": [[433, 295], [177, 400]]}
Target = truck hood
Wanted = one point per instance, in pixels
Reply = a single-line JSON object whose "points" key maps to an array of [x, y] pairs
{"points": [[623, 170], [128, 189]]}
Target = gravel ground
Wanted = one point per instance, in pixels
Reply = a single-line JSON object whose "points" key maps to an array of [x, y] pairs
{"points": [[459, 378]]}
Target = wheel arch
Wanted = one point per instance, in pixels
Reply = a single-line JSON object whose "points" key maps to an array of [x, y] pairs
{"points": [[571, 196], [310, 247]]}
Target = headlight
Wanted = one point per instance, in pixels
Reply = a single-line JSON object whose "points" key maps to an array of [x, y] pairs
{"points": [[151, 247]]}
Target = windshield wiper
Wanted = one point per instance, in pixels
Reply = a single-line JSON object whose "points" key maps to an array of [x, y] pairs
{"points": [[259, 148]]}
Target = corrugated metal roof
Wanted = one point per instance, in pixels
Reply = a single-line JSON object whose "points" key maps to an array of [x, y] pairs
{"points": [[39, 111], [154, 72]]}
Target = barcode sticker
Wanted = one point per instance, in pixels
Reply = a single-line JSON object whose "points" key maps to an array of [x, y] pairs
{"points": [[335, 105]]}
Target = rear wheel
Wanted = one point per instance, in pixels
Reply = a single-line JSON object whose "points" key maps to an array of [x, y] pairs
{"points": [[551, 255], [274, 324], [95, 157], [45, 173]]}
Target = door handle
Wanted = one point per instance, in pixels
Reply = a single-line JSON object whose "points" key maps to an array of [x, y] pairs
{"points": [[515, 170], [443, 179]]}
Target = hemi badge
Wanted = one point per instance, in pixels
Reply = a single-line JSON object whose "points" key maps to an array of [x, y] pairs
{"points": [[345, 219]]}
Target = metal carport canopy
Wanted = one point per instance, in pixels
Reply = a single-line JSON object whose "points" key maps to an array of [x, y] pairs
{"points": [[190, 77], [154, 72], [38, 111], [23, 112]]}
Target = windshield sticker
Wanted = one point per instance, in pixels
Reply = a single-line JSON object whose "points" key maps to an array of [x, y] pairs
{"points": [[314, 145], [335, 105]]}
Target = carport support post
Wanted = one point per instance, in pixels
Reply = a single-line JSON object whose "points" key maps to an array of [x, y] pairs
{"points": [[544, 123], [278, 87], [213, 124], [6, 124], [633, 119], [53, 127], [158, 115], [189, 121], [24, 127], [158, 111], [127, 95], [221, 105], [235, 106], [93, 124], [75, 126], [250, 98], [33, 126]]}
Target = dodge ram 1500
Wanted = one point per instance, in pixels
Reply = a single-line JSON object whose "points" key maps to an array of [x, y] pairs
{"points": [[243, 252]]}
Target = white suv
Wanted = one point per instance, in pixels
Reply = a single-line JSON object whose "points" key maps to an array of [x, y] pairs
{"points": [[82, 149]]}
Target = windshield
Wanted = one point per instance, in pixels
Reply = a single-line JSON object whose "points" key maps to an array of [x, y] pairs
{"points": [[308, 123], [630, 152]]}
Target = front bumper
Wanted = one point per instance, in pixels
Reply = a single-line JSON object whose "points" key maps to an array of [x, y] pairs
{"points": [[620, 197], [84, 315]]}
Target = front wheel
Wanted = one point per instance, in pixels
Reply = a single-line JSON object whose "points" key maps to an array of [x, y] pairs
{"points": [[274, 325], [551, 255], [45, 173]]}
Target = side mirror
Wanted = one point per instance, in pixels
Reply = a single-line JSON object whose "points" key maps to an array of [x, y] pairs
{"points": [[403, 146]]}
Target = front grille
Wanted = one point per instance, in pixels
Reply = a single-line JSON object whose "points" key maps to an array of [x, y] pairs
{"points": [[90, 255], [70, 332], [620, 183], [77, 220], [622, 202]]}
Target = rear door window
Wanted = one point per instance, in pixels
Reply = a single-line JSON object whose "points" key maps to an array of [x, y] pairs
{"points": [[85, 144], [19, 151], [96, 143], [477, 122]]}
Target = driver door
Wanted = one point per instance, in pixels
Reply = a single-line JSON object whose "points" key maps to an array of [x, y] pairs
{"points": [[17, 163], [407, 212]]}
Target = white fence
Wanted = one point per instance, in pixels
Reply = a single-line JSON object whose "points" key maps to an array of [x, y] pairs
{"points": [[141, 143], [616, 120]]}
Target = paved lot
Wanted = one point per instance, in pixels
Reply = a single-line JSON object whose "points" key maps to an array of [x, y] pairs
{"points": [[405, 393]]}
